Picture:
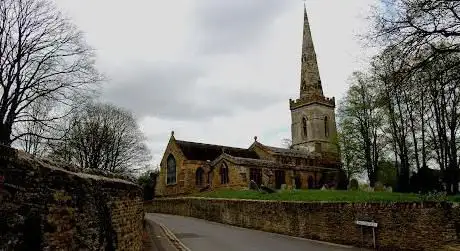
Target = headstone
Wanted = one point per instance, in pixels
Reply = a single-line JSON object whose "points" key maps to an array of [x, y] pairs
{"points": [[324, 188], [354, 185], [389, 189], [378, 187], [283, 186], [253, 185], [267, 189], [205, 188]]}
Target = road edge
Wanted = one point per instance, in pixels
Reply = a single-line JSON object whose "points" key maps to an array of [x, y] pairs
{"points": [[332, 244], [172, 238]]}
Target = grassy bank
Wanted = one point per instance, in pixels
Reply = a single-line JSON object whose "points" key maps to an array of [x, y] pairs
{"points": [[317, 195]]}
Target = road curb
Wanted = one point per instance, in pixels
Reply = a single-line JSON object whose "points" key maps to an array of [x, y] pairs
{"points": [[173, 239]]}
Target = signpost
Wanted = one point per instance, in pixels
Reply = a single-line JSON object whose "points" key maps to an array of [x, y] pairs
{"points": [[367, 224]]}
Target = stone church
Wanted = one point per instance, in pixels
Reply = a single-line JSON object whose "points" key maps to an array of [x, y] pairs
{"points": [[310, 163]]}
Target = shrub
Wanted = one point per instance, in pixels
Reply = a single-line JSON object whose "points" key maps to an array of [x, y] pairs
{"points": [[434, 197]]}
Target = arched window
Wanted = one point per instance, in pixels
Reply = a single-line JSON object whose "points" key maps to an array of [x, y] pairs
{"points": [[303, 86], [199, 177], [326, 127], [171, 170], [311, 182], [304, 127], [224, 174]]}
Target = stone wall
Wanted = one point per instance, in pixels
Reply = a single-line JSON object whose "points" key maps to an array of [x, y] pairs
{"points": [[401, 226], [47, 206]]}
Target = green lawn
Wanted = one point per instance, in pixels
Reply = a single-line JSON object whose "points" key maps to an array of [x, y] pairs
{"points": [[316, 195]]}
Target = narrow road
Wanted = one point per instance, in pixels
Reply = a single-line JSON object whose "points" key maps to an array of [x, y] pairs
{"points": [[201, 235]]}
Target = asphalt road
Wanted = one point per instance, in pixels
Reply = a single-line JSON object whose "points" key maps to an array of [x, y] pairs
{"points": [[200, 235]]}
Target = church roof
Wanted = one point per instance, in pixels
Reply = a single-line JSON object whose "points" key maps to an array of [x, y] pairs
{"points": [[264, 163], [200, 151], [290, 152]]}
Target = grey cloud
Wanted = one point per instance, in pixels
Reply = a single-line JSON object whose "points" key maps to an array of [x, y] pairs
{"points": [[170, 91], [230, 26]]}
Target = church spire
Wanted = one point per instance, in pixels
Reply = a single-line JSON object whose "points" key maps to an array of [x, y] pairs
{"points": [[310, 84]]}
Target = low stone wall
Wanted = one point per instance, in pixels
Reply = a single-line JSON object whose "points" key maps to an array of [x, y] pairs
{"points": [[401, 226], [44, 206]]}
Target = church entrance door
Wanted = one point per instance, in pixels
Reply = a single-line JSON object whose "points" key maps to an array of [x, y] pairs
{"points": [[279, 178], [311, 184], [298, 182]]}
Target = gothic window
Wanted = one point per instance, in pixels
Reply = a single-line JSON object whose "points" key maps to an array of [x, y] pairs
{"points": [[304, 127], [199, 177], [210, 177], [255, 174], [326, 127], [171, 170], [304, 86], [224, 174], [318, 147]]}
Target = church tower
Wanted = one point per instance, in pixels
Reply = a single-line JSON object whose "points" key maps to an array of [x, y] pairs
{"points": [[313, 115]]}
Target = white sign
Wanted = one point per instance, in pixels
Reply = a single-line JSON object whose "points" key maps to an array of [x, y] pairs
{"points": [[366, 223]]}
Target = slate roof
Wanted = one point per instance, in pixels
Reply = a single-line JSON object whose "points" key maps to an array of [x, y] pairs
{"points": [[200, 151], [265, 163], [290, 152]]}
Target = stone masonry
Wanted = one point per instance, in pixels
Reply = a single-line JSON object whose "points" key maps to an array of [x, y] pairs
{"points": [[401, 226], [44, 206]]}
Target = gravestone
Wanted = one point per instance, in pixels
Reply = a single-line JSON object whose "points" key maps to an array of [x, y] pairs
{"points": [[205, 188], [253, 185], [267, 189]]}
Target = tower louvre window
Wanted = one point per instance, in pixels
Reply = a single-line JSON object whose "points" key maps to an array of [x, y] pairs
{"points": [[304, 127], [326, 127]]}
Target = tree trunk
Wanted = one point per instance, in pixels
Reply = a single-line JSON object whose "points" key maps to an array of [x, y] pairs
{"points": [[5, 135]]}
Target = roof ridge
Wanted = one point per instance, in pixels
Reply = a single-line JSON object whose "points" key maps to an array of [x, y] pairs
{"points": [[206, 144]]}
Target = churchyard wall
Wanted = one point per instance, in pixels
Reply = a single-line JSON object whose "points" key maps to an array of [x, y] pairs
{"points": [[401, 226], [49, 206]]}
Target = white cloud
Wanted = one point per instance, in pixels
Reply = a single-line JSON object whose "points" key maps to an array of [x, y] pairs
{"points": [[248, 75]]}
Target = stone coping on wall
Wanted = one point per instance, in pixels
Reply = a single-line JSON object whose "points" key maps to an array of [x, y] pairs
{"points": [[420, 204], [19, 156]]}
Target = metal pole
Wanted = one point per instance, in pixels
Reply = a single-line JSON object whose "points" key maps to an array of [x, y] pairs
{"points": [[373, 235]]}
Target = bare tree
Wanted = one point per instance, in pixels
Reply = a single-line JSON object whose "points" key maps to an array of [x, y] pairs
{"points": [[414, 25], [103, 136], [35, 132], [42, 57], [418, 72]]}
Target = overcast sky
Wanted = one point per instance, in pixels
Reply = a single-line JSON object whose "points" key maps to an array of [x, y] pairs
{"points": [[217, 71]]}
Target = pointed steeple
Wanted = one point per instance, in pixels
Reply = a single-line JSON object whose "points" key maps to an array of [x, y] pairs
{"points": [[310, 81]]}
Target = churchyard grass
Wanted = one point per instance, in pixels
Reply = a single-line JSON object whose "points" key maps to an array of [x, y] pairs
{"points": [[316, 195]]}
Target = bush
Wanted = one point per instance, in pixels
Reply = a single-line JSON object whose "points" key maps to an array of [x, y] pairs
{"points": [[434, 197], [342, 181], [354, 185]]}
